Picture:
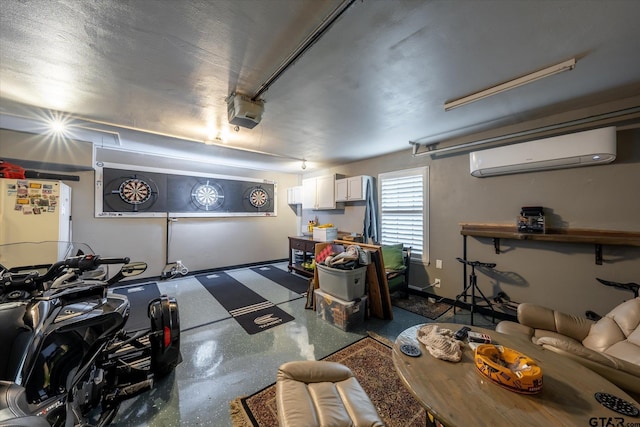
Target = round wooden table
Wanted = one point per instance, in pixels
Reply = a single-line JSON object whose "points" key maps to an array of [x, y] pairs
{"points": [[457, 395]]}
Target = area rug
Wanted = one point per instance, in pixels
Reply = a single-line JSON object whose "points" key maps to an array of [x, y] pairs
{"points": [[139, 297], [370, 360], [291, 281], [422, 306], [253, 312]]}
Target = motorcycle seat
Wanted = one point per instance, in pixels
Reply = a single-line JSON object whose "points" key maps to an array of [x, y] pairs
{"points": [[14, 407]]}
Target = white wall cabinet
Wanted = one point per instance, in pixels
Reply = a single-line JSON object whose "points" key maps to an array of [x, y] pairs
{"points": [[319, 192], [294, 195], [352, 189]]}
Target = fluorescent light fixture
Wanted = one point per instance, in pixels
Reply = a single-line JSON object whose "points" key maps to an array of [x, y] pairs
{"points": [[546, 72]]}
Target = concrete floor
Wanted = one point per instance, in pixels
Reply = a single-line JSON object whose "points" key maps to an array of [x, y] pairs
{"points": [[221, 361]]}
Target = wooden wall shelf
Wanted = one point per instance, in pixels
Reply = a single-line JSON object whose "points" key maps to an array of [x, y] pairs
{"points": [[586, 236]]}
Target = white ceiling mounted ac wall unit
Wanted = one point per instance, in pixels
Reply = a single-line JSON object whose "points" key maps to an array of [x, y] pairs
{"points": [[586, 148], [243, 111]]}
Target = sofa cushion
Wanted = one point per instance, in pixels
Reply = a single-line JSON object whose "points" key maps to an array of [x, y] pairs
{"points": [[392, 256], [574, 347], [603, 335], [616, 326], [539, 334], [627, 316], [634, 338], [626, 351]]}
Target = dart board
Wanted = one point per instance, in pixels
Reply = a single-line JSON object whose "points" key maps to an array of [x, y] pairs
{"points": [[135, 191], [131, 193], [258, 198], [207, 196]]}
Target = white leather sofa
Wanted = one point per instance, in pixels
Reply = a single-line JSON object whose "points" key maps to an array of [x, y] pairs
{"points": [[610, 346]]}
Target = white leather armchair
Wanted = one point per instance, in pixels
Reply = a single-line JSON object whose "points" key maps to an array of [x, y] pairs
{"points": [[318, 393]]}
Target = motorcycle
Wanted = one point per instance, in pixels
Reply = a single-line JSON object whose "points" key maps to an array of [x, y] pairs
{"points": [[67, 359]]}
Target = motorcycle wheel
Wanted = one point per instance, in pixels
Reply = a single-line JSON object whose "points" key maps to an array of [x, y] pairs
{"points": [[165, 335]]}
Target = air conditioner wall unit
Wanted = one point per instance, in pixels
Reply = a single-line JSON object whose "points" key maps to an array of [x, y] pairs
{"points": [[586, 148], [243, 111]]}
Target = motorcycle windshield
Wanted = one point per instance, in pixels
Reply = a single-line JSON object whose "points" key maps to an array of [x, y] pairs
{"points": [[17, 257]]}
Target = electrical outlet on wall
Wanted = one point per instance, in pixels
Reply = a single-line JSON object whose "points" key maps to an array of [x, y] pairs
{"points": [[438, 263], [436, 283]]}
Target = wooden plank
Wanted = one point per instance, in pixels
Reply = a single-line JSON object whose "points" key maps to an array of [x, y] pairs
{"points": [[375, 302], [319, 247], [567, 235], [362, 245], [379, 287]]}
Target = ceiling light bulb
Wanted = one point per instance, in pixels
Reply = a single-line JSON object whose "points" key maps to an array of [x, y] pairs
{"points": [[58, 126], [304, 165]]}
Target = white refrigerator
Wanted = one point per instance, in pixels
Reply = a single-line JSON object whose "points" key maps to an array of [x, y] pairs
{"points": [[33, 211]]}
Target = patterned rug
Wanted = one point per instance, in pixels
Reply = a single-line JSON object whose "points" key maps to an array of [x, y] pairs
{"points": [[370, 360], [420, 305]]}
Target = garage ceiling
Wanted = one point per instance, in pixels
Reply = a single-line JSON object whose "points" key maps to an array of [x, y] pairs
{"points": [[153, 75]]}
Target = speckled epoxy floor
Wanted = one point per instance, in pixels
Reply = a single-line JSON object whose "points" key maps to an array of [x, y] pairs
{"points": [[221, 361]]}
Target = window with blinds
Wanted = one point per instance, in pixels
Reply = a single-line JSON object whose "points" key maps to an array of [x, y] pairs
{"points": [[404, 207]]}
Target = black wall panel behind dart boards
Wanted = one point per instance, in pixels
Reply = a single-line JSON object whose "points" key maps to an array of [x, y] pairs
{"points": [[128, 191], [200, 194]]}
